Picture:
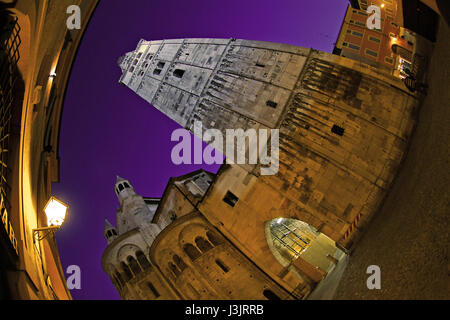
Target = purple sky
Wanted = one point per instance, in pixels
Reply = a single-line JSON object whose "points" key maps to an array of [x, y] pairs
{"points": [[107, 129]]}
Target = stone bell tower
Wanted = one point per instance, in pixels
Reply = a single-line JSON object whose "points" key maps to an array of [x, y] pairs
{"points": [[110, 232], [126, 259], [133, 211]]}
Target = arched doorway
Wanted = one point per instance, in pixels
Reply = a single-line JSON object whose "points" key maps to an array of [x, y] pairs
{"points": [[302, 249]]}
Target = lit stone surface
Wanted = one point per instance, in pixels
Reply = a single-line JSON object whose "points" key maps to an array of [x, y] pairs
{"points": [[344, 129]]}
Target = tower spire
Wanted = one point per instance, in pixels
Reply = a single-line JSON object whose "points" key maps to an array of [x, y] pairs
{"points": [[110, 232], [123, 189]]}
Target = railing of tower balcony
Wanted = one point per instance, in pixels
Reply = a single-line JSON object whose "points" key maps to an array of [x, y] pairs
{"points": [[9, 57]]}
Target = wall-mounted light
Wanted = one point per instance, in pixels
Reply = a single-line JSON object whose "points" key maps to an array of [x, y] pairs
{"points": [[52, 74], [55, 210], [382, 5]]}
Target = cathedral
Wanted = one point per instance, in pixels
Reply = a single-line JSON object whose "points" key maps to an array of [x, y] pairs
{"points": [[344, 128]]}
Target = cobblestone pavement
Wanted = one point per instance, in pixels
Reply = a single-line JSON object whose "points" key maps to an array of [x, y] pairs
{"points": [[408, 238]]}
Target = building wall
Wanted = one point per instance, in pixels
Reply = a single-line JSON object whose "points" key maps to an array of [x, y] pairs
{"points": [[34, 270], [202, 264], [374, 47], [344, 129], [391, 9], [126, 261], [188, 259]]}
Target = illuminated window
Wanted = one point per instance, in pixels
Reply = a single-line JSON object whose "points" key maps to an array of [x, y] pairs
{"points": [[288, 237]]}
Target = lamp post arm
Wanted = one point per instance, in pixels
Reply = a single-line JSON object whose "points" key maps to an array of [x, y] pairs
{"points": [[49, 230]]}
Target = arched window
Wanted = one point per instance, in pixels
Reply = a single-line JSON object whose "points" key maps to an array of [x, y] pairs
{"points": [[142, 259], [179, 262], [126, 271], [133, 265], [120, 187], [115, 282], [213, 238], [153, 289], [191, 251], [203, 244], [222, 265], [119, 278], [126, 185], [291, 241], [270, 295], [174, 269]]}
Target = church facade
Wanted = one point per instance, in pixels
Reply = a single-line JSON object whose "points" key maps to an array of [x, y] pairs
{"points": [[343, 131]]}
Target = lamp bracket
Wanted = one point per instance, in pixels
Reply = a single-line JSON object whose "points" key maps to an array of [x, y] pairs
{"points": [[45, 231]]}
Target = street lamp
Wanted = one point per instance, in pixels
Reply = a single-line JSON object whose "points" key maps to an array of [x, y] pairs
{"points": [[55, 210]]}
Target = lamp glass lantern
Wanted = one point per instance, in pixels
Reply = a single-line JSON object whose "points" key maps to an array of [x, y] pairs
{"points": [[55, 210]]}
